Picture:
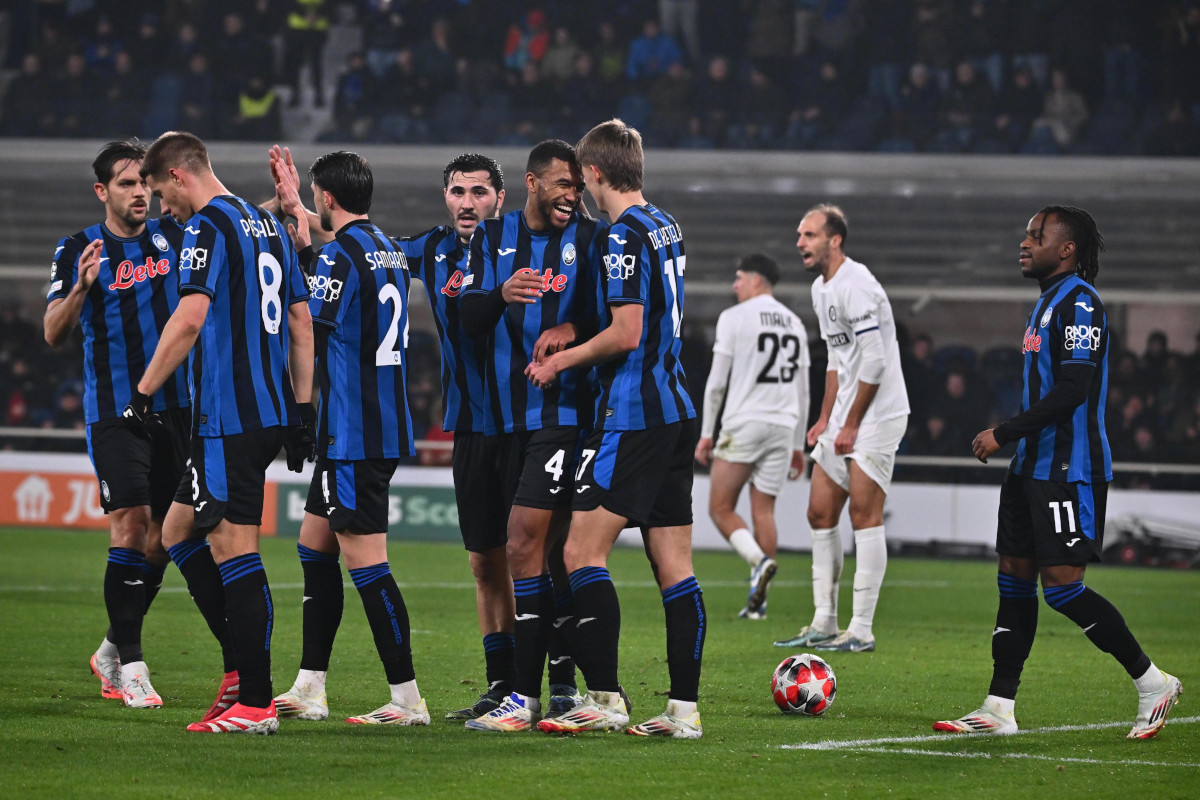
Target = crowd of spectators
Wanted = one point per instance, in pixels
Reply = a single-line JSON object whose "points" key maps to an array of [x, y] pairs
{"points": [[993, 76], [1153, 412]]}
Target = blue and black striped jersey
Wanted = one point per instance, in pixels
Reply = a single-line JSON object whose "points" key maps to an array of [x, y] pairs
{"points": [[643, 262], [135, 293], [360, 290], [240, 256], [1068, 325], [565, 258], [437, 258]]}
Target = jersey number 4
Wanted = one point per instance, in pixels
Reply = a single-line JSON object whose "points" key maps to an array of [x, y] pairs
{"points": [[773, 343]]}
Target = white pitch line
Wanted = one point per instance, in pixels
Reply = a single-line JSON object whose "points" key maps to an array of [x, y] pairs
{"points": [[873, 744], [1132, 762]]}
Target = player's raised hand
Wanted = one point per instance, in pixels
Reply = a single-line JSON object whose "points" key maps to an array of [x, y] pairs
{"points": [[525, 286], [89, 264], [557, 338]]}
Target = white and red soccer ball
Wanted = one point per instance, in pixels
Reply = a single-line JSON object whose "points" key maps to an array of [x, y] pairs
{"points": [[803, 684]]}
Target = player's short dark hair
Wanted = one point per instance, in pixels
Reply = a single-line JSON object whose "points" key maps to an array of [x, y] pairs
{"points": [[835, 220], [544, 152], [175, 149], [762, 264], [615, 149], [474, 162], [347, 176], [1081, 229], [114, 153]]}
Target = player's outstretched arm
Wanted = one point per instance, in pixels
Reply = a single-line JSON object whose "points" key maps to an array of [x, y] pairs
{"points": [[62, 314], [300, 351], [287, 194]]}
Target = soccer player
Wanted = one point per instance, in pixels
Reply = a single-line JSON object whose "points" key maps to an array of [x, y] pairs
{"points": [[243, 306], [862, 420], [119, 281], [636, 465], [1052, 501], [529, 281], [760, 374], [473, 190], [360, 304]]}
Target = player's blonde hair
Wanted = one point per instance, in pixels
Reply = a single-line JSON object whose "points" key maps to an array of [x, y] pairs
{"points": [[614, 148]]}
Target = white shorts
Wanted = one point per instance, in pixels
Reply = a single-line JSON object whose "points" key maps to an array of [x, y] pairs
{"points": [[767, 447], [874, 450]]}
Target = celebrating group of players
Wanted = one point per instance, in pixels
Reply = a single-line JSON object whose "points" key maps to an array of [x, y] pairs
{"points": [[561, 380]]}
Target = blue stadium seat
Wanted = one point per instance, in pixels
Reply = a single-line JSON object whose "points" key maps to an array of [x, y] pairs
{"points": [[635, 109]]}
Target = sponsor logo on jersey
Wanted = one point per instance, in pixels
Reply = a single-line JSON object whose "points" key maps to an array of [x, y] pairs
{"points": [[568, 254], [616, 238], [456, 283], [193, 258], [620, 267], [1046, 317], [1085, 306], [127, 274], [192, 231], [1032, 343], [160, 242], [838, 339], [1081, 337], [508, 251], [54, 287], [323, 287], [550, 281]]}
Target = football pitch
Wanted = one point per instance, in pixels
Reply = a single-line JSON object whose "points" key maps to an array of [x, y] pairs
{"points": [[59, 739]]}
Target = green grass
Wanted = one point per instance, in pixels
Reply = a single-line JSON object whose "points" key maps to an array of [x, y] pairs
{"points": [[59, 739]]}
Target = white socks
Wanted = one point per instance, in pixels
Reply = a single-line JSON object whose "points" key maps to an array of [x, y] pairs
{"points": [[309, 683], [405, 694], [827, 572], [999, 705], [107, 649], [680, 709], [744, 545], [870, 551], [1152, 680]]}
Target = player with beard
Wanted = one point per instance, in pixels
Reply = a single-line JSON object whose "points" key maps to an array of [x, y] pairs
{"points": [[863, 417], [473, 190], [119, 280], [528, 290]]}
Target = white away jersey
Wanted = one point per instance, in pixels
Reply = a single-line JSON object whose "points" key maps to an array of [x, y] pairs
{"points": [[768, 347], [851, 304]]}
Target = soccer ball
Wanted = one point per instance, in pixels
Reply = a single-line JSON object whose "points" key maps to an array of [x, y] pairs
{"points": [[803, 684]]}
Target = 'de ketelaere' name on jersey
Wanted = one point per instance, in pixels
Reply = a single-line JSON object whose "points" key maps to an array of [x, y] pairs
{"points": [[644, 263]]}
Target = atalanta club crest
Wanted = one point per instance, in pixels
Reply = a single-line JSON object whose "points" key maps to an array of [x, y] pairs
{"points": [[568, 254], [160, 242], [1046, 317]]}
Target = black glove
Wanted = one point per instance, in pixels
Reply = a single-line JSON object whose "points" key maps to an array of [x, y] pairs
{"points": [[300, 444], [138, 416]]}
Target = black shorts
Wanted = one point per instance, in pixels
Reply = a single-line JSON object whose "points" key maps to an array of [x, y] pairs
{"points": [[135, 472], [486, 473], [547, 466], [352, 495], [1052, 523], [226, 476], [645, 476]]}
